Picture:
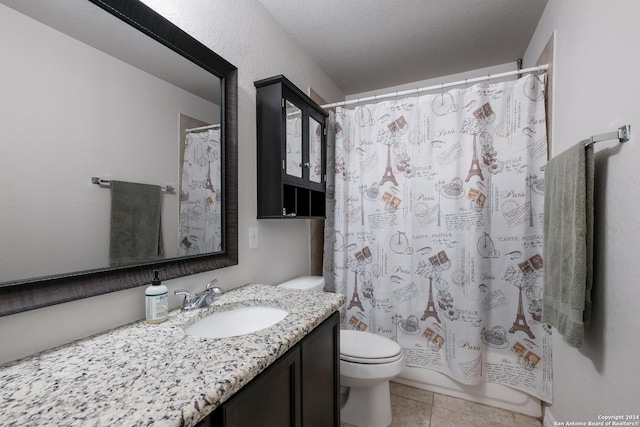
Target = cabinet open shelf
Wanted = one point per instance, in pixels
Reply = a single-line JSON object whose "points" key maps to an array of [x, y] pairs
{"points": [[302, 202]]}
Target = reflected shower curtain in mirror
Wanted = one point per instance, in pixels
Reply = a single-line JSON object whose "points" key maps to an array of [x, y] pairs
{"points": [[434, 229], [200, 194]]}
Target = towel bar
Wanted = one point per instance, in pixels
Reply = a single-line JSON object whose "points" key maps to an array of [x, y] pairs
{"points": [[107, 183]]}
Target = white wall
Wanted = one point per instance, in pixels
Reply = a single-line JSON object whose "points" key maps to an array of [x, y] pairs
{"points": [[247, 36], [596, 90], [496, 69]]}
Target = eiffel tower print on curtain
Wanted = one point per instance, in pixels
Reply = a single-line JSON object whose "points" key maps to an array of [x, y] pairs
{"points": [[431, 307], [475, 164], [388, 172], [355, 299]]}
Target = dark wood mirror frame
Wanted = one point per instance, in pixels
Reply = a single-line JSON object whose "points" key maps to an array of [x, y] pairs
{"points": [[40, 292]]}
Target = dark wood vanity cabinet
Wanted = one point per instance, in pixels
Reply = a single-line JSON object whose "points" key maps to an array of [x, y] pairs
{"points": [[270, 400], [301, 388], [291, 133], [320, 375]]}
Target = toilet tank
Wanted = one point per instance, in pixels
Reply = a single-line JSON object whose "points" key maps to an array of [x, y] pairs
{"points": [[309, 283]]}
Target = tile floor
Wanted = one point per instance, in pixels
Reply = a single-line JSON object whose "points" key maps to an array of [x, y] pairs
{"points": [[413, 407]]}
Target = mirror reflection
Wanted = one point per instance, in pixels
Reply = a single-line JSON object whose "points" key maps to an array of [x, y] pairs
{"points": [[80, 106], [294, 139], [200, 189], [315, 151]]}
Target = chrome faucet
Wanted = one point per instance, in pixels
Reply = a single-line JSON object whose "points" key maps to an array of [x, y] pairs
{"points": [[202, 299]]}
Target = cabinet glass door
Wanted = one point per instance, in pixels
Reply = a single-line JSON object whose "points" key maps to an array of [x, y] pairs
{"points": [[315, 151], [293, 155]]}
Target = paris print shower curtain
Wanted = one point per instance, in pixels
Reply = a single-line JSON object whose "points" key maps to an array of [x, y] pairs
{"points": [[434, 229], [200, 194]]}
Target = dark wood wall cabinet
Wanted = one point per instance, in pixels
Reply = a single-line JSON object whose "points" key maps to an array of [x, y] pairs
{"points": [[300, 389], [291, 151]]}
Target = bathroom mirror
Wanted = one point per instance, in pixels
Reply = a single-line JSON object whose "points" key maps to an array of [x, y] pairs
{"points": [[116, 115]]}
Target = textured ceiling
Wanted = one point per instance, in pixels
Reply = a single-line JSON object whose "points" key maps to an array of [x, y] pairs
{"points": [[365, 45]]}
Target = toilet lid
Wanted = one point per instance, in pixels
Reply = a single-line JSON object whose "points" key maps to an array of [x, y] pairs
{"points": [[304, 282], [365, 347]]}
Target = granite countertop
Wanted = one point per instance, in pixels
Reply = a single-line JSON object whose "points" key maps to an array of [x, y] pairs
{"points": [[155, 375]]}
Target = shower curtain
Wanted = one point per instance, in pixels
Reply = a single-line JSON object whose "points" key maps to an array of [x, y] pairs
{"points": [[200, 194], [434, 229]]}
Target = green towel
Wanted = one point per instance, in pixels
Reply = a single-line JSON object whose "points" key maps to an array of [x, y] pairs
{"points": [[136, 226], [568, 242]]}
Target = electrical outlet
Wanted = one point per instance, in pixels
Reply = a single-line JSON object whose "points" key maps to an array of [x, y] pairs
{"points": [[253, 237]]}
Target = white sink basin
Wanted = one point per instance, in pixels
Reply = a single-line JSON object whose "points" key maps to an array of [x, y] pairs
{"points": [[237, 321]]}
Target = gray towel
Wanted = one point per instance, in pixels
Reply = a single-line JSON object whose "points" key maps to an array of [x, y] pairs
{"points": [[136, 226], [568, 242]]}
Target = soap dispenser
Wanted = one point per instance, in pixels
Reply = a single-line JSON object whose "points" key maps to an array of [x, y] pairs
{"points": [[157, 300]]}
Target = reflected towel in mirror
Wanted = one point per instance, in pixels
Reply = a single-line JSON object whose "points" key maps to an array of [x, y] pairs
{"points": [[136, 225]]}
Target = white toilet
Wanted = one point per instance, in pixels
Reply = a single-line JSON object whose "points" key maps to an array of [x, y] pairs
{"points": [[367, 363]]}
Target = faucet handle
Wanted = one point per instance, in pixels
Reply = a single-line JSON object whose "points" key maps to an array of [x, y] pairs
{"points": [[211, 283], [185, 293], [210, 294], [213, 291]]}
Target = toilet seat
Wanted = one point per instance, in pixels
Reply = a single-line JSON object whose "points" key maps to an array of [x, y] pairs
{"points": [[366, 361], [367, 348]]}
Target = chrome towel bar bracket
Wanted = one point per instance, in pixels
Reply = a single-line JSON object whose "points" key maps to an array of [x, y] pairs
{"points": [[623, 134]]}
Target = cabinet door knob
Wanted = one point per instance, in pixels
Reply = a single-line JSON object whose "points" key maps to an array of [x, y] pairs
{"points": [[307, 165]]}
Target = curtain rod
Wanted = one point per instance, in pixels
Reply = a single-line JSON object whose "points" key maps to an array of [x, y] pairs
{"points": [[440, 86], [202, 128]]}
